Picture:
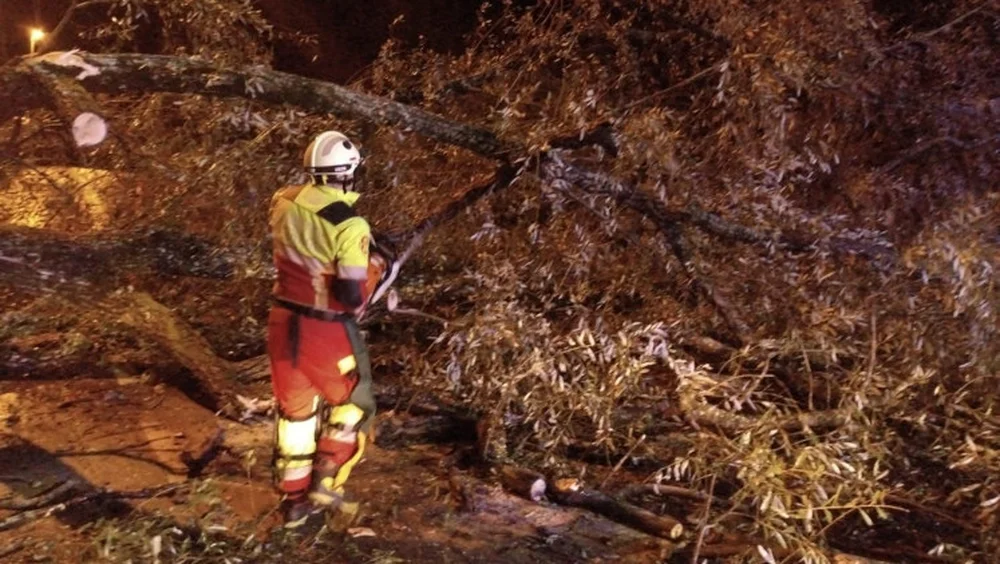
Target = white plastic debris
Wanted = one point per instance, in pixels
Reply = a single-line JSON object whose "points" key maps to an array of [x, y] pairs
{"points": [[254, 406], [357, 532], [72, 59]]}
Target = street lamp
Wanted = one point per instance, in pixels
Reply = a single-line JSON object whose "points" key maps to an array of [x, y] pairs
{"points": [[35, 35]]}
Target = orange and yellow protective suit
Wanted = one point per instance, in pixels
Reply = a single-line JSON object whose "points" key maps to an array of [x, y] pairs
{"points": [[320, 371]]}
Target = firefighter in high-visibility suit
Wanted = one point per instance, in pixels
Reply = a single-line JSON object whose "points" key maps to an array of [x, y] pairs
{"points": [[320, 371]]}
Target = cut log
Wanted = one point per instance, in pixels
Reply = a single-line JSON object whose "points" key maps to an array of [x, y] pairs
{"points": [[75, 106], [523, 482], [569, 492]]}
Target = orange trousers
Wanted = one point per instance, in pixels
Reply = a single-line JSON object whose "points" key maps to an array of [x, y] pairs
{"points": [[313, 365]]}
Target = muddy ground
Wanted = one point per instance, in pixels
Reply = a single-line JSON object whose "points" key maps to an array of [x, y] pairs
{"points": [[131, 433]]}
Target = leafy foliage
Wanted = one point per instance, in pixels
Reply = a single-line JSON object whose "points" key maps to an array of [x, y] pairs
{"points": [[571, 315]]}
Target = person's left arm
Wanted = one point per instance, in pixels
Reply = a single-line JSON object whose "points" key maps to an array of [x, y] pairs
{"points": [[349, 284]]}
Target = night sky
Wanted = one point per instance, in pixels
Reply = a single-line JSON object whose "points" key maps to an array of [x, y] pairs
{"points": [[349, 33]]}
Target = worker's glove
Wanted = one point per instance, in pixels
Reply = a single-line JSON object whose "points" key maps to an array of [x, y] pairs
{"points": [[386, 279], [382, 270]]}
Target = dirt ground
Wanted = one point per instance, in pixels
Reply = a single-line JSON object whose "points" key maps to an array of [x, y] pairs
{"points": [[130, 434]]}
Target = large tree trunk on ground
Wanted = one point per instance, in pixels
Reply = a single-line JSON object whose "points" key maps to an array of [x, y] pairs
{"points": [[159, 336], [37, 260], [214, 383]]}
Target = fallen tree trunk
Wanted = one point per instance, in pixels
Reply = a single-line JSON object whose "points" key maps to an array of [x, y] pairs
{"points": [[40, 260], [569, 492], [214, 385], [114, 73], [207, 379]]}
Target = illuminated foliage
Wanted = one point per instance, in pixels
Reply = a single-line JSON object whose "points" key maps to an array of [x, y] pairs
{"points": [[575, 316]]}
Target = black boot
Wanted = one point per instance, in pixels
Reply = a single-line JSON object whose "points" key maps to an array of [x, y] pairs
{"points": [[297, 511]]}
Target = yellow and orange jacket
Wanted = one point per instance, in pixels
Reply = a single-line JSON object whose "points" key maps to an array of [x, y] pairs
{"points": [[317, 237]]}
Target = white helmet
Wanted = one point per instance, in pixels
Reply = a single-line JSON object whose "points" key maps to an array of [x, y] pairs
{"points": [[332, 156]]}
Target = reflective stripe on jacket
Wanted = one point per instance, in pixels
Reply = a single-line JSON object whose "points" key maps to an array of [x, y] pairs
{"points": [[317, 236]]}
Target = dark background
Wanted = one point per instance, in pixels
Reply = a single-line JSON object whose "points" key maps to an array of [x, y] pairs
{"points": [[349, 33]]}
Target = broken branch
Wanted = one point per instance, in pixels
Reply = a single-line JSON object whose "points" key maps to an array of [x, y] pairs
{"points": [[569, 492], [44, 500], [98, 494]]}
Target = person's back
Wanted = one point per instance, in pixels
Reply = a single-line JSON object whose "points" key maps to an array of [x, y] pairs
{"points": [[318, 238], [320, 371]]}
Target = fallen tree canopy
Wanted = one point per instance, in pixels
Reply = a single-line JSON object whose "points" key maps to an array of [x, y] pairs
{"points": [[34, 82], [758, 265]]}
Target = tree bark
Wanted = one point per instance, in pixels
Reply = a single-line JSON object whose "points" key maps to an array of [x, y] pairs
{"points": [[569, 493], [38, 260], [214, 382], [523, 482], [117, 73]]}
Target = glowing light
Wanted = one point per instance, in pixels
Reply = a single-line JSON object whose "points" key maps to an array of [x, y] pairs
{"points": [[34, 36]]}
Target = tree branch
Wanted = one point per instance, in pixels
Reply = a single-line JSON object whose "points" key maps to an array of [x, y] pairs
{"points": [[33, 515], [131, 72], [48, 498], [116, 73]]}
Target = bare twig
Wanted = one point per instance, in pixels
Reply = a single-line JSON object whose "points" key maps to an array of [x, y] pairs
{"points": [[621, 461], [670, 491], [703, 523], [922, 147], [50, 38], [59, 492], [417, 313], [928, 34], [504, 177], [872, 349], [673, 87], [36, 514], [901, 500]]}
